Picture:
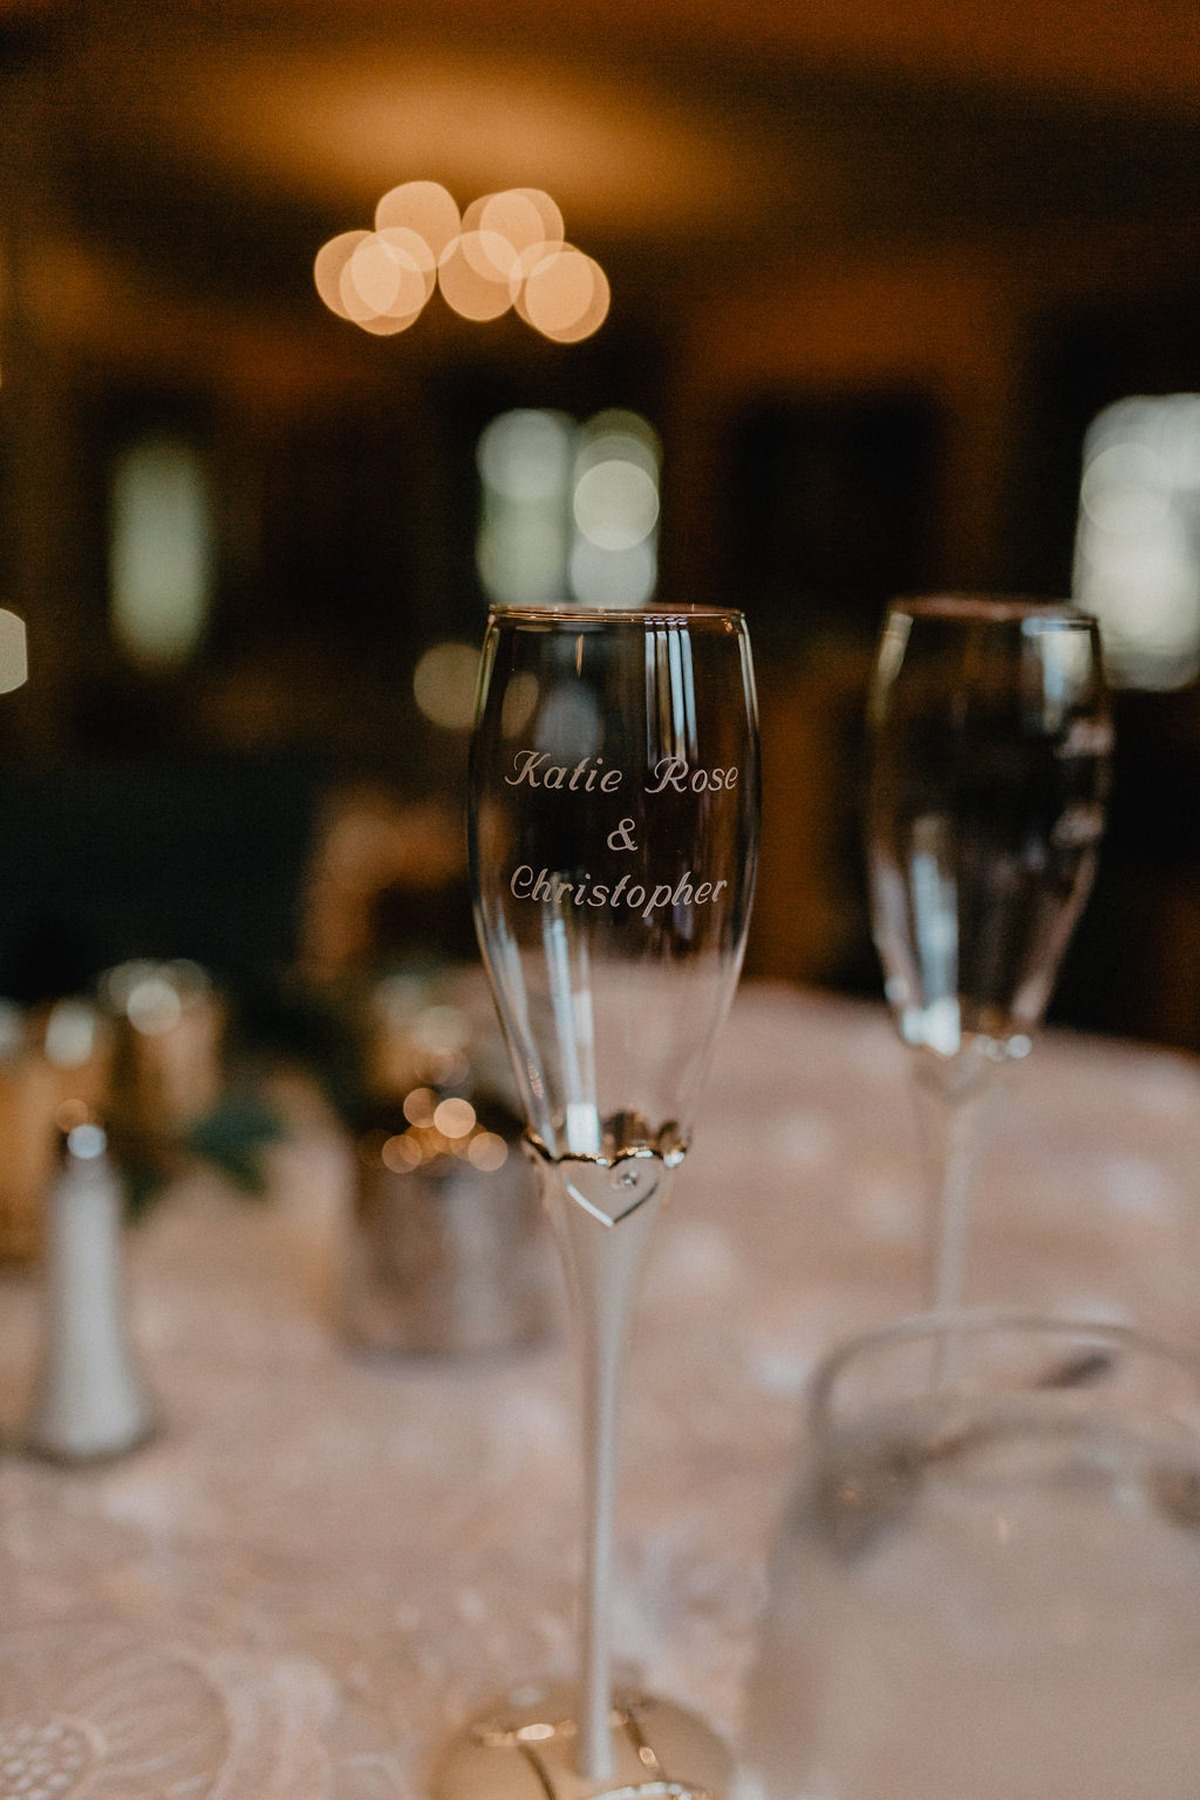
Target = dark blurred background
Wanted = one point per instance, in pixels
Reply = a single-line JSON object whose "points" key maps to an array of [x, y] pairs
{"points": [[875, 272]]}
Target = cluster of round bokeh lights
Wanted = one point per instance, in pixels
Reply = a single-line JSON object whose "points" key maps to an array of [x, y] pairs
{"points": [[508, 250], [436, 1128]]}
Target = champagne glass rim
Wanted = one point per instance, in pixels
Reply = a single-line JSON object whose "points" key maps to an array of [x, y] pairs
{"points": [[977, 1323], [992, 609], [684, 613]]}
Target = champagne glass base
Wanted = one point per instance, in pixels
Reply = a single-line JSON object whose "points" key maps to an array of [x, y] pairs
{"points": [[523, 1747]]}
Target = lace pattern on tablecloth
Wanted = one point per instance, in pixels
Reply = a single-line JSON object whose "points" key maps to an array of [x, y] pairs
{"points": [[109, 1714], [321, 1563]]}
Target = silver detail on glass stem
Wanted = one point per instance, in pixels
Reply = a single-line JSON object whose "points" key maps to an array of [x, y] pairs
{"points": [[603, 1267], [625, 1137]]}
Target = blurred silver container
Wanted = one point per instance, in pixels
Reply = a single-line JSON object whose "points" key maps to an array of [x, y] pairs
{"points": [[447, 1251], [55, 1066], [167, 1073]]}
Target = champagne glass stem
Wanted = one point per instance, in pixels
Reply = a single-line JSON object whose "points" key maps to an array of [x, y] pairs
{"points": [[952, 1127], [603, 1258]]}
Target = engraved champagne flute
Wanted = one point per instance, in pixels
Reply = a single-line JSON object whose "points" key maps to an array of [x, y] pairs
{"points": [[614, 801], [990, 740]]}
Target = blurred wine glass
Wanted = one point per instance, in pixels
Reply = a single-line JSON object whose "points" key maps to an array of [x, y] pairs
{"points": [[988, 1589], [990, 736], [614, 830]]}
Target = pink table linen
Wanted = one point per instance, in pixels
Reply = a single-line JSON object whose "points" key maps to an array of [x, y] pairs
{"points": [[296, 1591]]}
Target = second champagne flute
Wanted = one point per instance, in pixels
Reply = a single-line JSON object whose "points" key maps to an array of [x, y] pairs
{"points": [[614, 830], [990, 738]]}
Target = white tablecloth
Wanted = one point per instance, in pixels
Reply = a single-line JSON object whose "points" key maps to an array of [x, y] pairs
{"points": [[321, 1562]]}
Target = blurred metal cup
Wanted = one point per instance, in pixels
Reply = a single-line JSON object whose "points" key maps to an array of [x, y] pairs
{"points": [[170, 1026], [53, 1061], [447, 1254]]}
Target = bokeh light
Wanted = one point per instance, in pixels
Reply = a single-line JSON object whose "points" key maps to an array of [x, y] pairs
{"points": [[383, 285], [1137, 543], [524, 216], [377, 276], [154, 1006], [507, 249], [526, 455], [618, 432], [568, 511], [400, 1154], [491, 255], [331, 259], [419, 1106], [591, 319], [554, 228], [487, 1151], [72, 1033], [154, 996], [441, 1127], [412, 251], [355, 305], [466, 286], [441, 1030], [388, 324], [525, 459], [424, 207], [615, 504], [14, 658], [444, 683], [559, 291], [613, 577], [160, 550], [389, 276], [454, 1118]]}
